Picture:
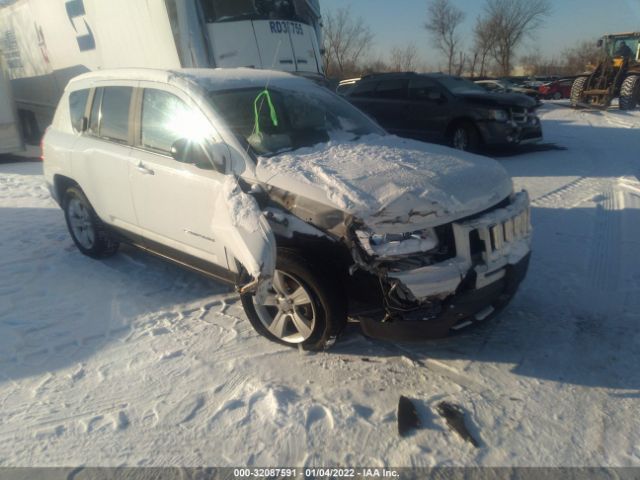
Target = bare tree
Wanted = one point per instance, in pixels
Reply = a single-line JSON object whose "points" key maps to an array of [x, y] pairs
{"points": [[582, 57], [443, 23], [374, 65], [573, 61], [484, 38], [512, 21], [462, 63], [404, 59], [346, 40], [535, 64]]}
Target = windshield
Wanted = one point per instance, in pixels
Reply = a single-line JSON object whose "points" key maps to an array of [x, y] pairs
{"points": [[624, 47], [277, 120], [227, 10], [459, 85]]}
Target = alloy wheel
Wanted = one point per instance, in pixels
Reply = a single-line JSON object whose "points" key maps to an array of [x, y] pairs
{"points": [[287, 311], [461, 139], [81, 223]]}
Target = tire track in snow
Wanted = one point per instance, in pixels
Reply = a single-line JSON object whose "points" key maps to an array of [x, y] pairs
{"points": [[605, 324], [604, 261], [567, 196], [612, 119]]}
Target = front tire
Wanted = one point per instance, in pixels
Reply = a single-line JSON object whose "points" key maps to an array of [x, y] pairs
{"points": [[86, 229], [577, 89], [302, 307], [465, 136], [629, 92]]}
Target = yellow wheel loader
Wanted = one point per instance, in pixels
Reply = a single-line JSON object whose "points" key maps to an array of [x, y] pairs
{"points": [[617, 75]]}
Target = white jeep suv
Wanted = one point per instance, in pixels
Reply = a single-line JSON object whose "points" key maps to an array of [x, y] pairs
{"points": [[273, 184]]}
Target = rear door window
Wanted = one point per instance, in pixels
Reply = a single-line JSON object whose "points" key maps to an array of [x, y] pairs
{"points": [[421, 88], [364, 90], [77, 107], [392, 89], [114, 114]]}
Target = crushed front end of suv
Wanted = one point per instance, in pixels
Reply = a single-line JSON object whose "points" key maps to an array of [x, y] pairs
{"points": [[273, 184]]}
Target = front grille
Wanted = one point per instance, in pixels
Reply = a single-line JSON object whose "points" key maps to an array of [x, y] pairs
{"points": [[495, 231], [476, 245], [494, 238], [522, 115], [509, 231]]}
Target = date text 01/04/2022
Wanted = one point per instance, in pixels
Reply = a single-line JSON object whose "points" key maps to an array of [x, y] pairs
{"points": [[315, 472]]}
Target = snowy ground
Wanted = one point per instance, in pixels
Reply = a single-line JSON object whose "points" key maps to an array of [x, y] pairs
{"points": [[134, 361]]}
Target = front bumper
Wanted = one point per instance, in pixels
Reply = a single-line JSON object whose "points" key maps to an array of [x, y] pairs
{"points": [[462, 310], [492, 256], [511, 133]]}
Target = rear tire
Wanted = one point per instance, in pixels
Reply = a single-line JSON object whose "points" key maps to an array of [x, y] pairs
{"points": [[303, 307], [577, 90], [557, 96], [465, 136], [87, 230], [629, 92]]}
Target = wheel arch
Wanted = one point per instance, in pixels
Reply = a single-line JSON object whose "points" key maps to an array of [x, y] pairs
{"points": [[316, 280], [332, 258], [461, 120], [61, 184]]}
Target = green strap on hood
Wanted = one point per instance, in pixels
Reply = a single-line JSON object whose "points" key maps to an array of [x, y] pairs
{"points": [[272, 110]]}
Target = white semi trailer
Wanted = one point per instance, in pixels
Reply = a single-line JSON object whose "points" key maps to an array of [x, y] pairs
{"points": [[47, 42], [10, 140]]}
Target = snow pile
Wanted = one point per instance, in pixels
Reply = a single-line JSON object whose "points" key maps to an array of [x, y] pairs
{"points": [[389, 180], [243, 208]]}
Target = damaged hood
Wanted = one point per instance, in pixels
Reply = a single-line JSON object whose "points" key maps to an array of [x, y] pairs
{"points": [[391, 184]]}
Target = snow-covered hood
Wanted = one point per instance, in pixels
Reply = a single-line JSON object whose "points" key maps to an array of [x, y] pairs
{"points": [[393, 185]]}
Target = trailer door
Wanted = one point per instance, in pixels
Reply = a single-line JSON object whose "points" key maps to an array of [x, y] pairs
{"points": [[234, 44], [10, 140], [274, 42]]}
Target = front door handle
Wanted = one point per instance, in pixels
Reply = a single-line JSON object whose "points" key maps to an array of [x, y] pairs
{"points": [[144, 170]]}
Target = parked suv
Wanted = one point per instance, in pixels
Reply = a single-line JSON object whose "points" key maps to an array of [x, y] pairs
{"points": [[445, 109], [273, 184]]}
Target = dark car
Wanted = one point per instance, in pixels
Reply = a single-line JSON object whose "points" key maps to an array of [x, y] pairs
{"points": [[445, 109]]}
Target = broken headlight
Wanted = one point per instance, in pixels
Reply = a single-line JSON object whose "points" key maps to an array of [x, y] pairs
{"points": [[394, 245]]}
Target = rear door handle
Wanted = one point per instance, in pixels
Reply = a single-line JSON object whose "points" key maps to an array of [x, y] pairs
{"points": [[144, 170]]}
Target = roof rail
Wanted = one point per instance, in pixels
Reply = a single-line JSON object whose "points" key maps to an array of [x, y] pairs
{"points": [[387, 74]]}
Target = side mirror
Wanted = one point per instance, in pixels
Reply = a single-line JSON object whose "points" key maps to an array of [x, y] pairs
{"points": [[218, 156], [84, 124], [599, 44], [195, 153]]}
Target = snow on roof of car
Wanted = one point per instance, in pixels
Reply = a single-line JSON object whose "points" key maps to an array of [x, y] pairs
{"points": [[210, 79]]}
